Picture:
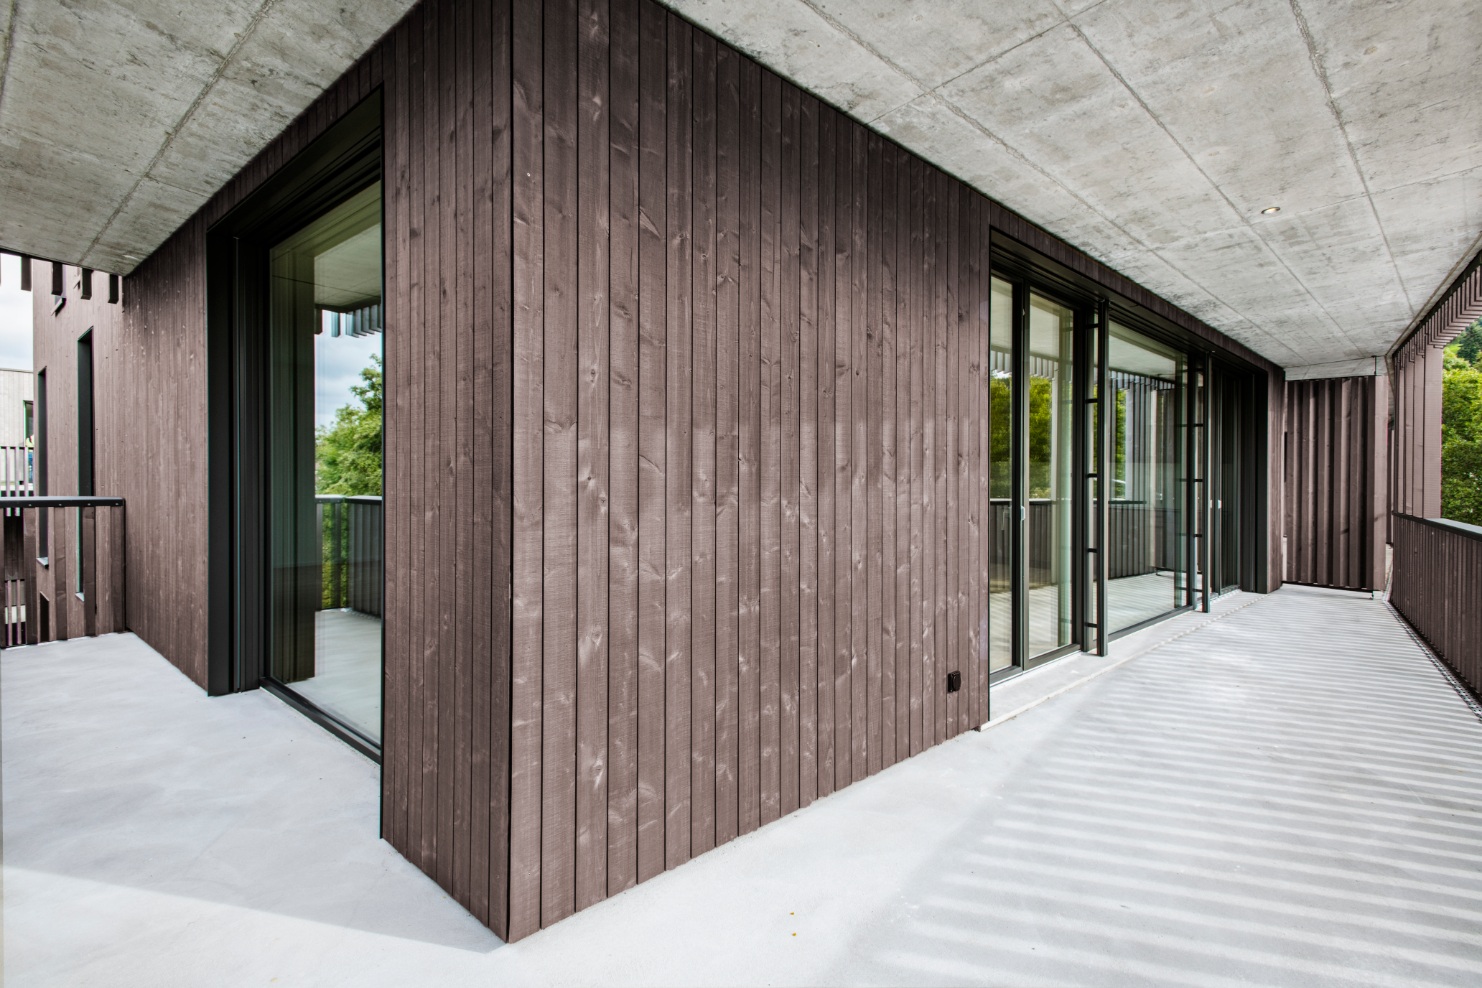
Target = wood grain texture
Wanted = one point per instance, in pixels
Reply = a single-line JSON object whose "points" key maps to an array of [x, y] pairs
{"points": [[687, 440], [1335, 441]]}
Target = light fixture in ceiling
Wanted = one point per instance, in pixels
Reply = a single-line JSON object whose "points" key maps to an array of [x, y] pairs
{"points": [[1270, 210]]}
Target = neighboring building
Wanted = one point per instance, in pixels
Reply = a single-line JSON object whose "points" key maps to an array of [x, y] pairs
{"points": [[732, 451]]}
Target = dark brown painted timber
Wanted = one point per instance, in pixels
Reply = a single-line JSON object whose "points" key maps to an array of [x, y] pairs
{"points": [[1333, 476], [1437, 586], [686, 505]]}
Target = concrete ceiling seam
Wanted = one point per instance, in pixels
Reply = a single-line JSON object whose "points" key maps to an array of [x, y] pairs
{"points": [[1239, 214], [190, 111], [935, 93], [1361, 122], [1322, 75], [1150, 136]]}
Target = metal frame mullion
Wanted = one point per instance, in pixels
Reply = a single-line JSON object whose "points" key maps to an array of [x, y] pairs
{"points": [[1206, 518], [1019, 469], [1105, 421]]}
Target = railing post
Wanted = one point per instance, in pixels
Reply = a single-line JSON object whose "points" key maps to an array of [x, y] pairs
{"points": [[88, 563], [30, 518]]}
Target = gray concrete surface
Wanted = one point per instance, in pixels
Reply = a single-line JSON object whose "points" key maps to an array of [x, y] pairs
{"points": [[1153, 134], [120, 118], [1150, 135], [1283, 793]]}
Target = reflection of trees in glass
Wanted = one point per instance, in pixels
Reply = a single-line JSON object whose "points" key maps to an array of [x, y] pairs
{"points": [[347, 453]]}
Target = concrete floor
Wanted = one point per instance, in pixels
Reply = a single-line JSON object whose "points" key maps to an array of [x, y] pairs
{"points": [[1284, 793]]}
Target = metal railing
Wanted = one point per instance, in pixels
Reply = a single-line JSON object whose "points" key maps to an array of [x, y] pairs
{"points": [[63, 565], [350, 537], [1436, 585]]}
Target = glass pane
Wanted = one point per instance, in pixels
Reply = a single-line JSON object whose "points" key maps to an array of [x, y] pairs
{"points": [[1145, 540], [325, 462], [1000, 385], [1051, 474]]}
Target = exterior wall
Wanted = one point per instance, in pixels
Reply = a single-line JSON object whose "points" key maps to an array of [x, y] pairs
{"points": [[685, 513], [1335, 501], [16, 387], [748, 422], [149, 355], [55, 333]]}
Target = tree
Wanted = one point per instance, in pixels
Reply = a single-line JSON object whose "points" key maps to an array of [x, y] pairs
{"points": [[347, 453], [1461, 431]]}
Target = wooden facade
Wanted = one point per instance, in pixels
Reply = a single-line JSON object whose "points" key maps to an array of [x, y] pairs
{"points": [[686, 505], [1333, 474]]}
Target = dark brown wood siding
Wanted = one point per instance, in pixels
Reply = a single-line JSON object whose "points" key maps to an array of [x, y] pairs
{"points": [[55, 336], [714, 298], [1333, 478], [1437, 587], [686, 502]]}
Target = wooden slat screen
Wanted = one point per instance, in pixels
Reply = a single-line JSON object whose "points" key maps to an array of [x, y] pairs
{"points": [[1437, 586], [1333, 475]]}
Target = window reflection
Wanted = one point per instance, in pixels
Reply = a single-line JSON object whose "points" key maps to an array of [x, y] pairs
{"points": [[325, 462]]}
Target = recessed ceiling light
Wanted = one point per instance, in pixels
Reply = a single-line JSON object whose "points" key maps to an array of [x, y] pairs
{"points": [[1270, 210]]}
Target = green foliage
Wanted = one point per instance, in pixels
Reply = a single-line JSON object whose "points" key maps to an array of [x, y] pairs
{"points": [[1468, 345], [347, 453], [1461, 429], [1041, 422]]}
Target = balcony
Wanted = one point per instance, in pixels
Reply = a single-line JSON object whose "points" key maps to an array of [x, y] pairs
{"points": [[1284, 792]]}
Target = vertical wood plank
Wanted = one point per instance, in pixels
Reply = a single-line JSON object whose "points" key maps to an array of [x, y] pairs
{"points": [[458, 517], [771, 387], [936, 689], [502, 459], [920, 492], [787, 377], [679, 493], [808, 403], [874, 466], [528, 209], [479, 473], [860, 457], [558, 759], [952, 503], [592, 441], [827, 381], [727, 453], [903, 445], [432, 654], [884, 573], [749, 763], [703, 654], [414, 370], [623, 484], [843, 453], [652, 366]]}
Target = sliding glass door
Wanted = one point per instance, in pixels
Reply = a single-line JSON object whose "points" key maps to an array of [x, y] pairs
{"points": [[1034, 464], [323, 455], [1147, 543], [1052, 538]]}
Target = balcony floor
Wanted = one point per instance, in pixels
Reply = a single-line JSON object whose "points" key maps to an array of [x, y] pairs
{"points": [[1288, 793]]}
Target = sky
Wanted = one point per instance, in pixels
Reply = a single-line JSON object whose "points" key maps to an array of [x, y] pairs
{"points": [[15, 316], [337, 364]]}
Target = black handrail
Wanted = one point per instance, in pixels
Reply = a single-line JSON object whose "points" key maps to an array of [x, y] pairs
{"points": [[1461, 528], [61, 501]]}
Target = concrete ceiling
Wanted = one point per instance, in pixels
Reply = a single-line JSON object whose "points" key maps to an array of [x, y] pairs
{"points": [[1149, 134], [1152, 135], [120, 118]]}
